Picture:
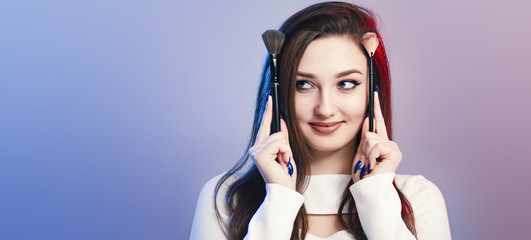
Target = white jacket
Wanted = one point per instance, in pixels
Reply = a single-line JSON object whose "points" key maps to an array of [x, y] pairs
{"points": [[376, 199]]}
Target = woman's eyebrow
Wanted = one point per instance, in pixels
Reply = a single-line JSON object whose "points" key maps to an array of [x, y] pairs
{"points": [[348, 72], [341, 74], [306, 75]]}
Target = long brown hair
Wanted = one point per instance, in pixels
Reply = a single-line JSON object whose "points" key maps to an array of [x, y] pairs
{"points": [[247, 193]]}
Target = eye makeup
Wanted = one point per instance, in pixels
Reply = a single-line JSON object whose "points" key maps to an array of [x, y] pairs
{"points": [[349, 84], [302, 85]]}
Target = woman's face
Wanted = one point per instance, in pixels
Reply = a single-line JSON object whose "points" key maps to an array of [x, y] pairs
{"points": [[331, 93]]}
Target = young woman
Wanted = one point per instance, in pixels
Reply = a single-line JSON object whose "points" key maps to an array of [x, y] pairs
{"points": [[324, 175]]}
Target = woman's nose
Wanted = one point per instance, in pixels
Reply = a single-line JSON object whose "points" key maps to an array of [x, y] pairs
{"points": [[325, 105]]}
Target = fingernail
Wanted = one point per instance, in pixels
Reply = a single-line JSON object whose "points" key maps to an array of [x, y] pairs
{"points": [[369, 168], [290, 167], [268, 92], [357, 167], [378, 90], [362, 173]]}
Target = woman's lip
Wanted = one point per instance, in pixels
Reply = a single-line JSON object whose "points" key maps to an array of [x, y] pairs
{"points": [[325, 128]]}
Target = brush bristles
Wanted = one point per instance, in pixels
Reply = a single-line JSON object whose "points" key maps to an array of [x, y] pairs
{"points": [[273, 40], [370, 42]]}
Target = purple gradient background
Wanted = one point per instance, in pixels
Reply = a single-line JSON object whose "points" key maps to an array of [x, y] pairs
{"points": [[113, 114]]}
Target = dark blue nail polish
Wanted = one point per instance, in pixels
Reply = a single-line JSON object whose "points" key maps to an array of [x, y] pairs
{"points": [[369, 168], [378, 90], [290, 167], [269, 91], [362, 173], [357, 167]]}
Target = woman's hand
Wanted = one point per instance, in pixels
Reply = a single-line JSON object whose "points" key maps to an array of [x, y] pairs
{"points": [[376, 153], [268, 148]]}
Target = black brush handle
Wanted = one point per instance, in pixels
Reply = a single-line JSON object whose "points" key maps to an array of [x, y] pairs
{"points": [[275, 124], [273, 65], [371, 95]]}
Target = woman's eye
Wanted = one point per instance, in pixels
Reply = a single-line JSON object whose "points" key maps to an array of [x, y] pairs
{"points": [[303, 84], [348, 84]]}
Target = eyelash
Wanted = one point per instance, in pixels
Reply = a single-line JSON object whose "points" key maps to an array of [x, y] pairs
{"points": [[354, 83], [299, 83]]}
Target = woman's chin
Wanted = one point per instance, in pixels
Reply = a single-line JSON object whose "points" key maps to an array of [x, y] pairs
{"points": [[332, 146], [326, 148]]}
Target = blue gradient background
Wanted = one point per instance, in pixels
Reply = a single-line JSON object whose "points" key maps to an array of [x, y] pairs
{"points": [[113, 114]]}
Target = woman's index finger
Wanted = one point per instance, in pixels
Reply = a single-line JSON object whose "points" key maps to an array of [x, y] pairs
{"points": [[284, 129], [378, 115], [265, 126]]}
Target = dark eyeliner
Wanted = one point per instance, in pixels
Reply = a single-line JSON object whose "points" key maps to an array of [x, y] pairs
{"points": [[298, 83], [355, 83]]}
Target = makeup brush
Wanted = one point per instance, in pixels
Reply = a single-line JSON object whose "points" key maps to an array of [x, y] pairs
{"points": [[371, 42], [274, 40]]}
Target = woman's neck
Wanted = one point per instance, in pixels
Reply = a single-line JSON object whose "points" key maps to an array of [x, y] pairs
{"points": [[334, 162]]}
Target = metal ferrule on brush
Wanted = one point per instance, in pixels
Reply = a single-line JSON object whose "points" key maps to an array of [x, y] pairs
{"points": [[273, 61]]}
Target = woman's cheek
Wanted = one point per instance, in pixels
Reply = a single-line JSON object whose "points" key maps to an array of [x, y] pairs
{"points": [[303, 108], [355, 107]]}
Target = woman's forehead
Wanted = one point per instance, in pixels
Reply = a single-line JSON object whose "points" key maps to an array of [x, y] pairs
{"points": [[332, 55]]}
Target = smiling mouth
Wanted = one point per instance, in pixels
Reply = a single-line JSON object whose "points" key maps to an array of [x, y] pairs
{"points": [[325, 128]]}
